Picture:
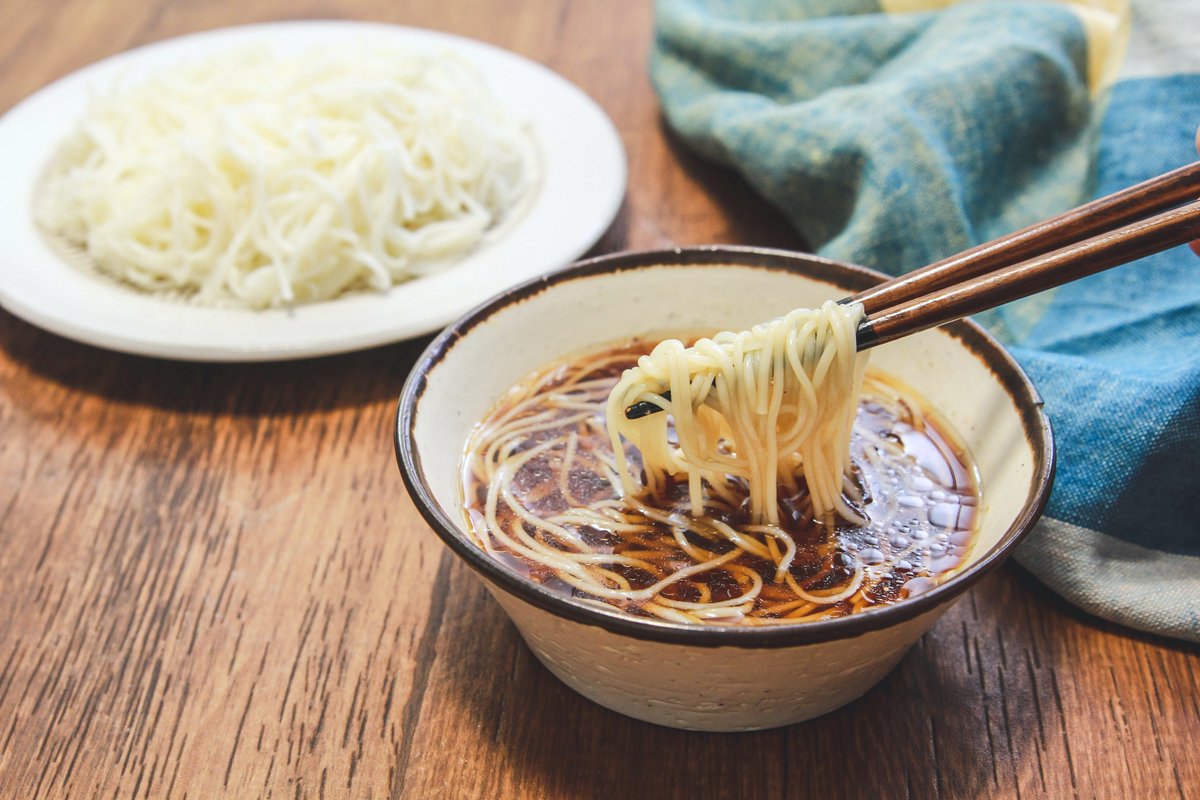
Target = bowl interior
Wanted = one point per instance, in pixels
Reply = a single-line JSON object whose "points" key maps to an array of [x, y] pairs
{"points": [[967, 379]]}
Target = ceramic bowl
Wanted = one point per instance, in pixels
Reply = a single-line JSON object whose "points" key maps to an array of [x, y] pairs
{"points": [[713, 678]]}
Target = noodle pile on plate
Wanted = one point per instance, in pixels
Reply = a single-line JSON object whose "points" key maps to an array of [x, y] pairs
{"points": [[265, 180]]}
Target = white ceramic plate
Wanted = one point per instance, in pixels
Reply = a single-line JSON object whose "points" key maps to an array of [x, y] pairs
{"points": [[582, 184]]}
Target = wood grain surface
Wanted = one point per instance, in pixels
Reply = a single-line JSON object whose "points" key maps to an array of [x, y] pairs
{"points": [[212, 583]]}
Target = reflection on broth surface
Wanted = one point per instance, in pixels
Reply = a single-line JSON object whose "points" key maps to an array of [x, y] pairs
{"points": [[544, 497]]}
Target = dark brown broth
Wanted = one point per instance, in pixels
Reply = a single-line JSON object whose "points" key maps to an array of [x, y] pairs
{"points": [[920, 501]]}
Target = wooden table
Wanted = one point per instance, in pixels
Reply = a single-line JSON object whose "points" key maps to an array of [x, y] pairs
{"points": [[212, 582]]}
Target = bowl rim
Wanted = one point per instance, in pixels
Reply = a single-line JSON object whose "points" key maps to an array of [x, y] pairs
{"points": [[1008, 372]]}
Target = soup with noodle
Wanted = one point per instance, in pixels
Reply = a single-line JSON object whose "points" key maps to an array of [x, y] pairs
{"points": [[813, 488]]}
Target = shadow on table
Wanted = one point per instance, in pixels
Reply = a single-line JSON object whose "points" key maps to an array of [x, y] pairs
{"points": [[928, 729], [255, 389], [1027, 582]]}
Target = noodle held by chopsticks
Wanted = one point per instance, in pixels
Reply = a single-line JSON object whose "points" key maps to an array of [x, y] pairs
{"points": [[770, 405]]}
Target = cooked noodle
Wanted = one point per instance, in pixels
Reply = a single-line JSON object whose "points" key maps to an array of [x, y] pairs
{"points": [[270, 180], [547, 494], [771, 405]]}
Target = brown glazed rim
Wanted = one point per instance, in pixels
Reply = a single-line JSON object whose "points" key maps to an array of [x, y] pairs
{"points": [[1008, 372]]}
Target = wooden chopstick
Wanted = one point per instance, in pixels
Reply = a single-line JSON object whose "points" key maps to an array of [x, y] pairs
{"points": [[1157, 194], [1091, 238], [1012, 282]]}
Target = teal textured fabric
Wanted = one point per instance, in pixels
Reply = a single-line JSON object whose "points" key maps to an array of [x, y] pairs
{"points": [[893, 140], [887, 139]]}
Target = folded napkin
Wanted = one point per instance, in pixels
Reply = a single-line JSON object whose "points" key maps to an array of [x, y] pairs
{"points": [[893, 133]]}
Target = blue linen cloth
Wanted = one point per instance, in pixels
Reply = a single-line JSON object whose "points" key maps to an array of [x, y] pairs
{"points": [[893, 133]]}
